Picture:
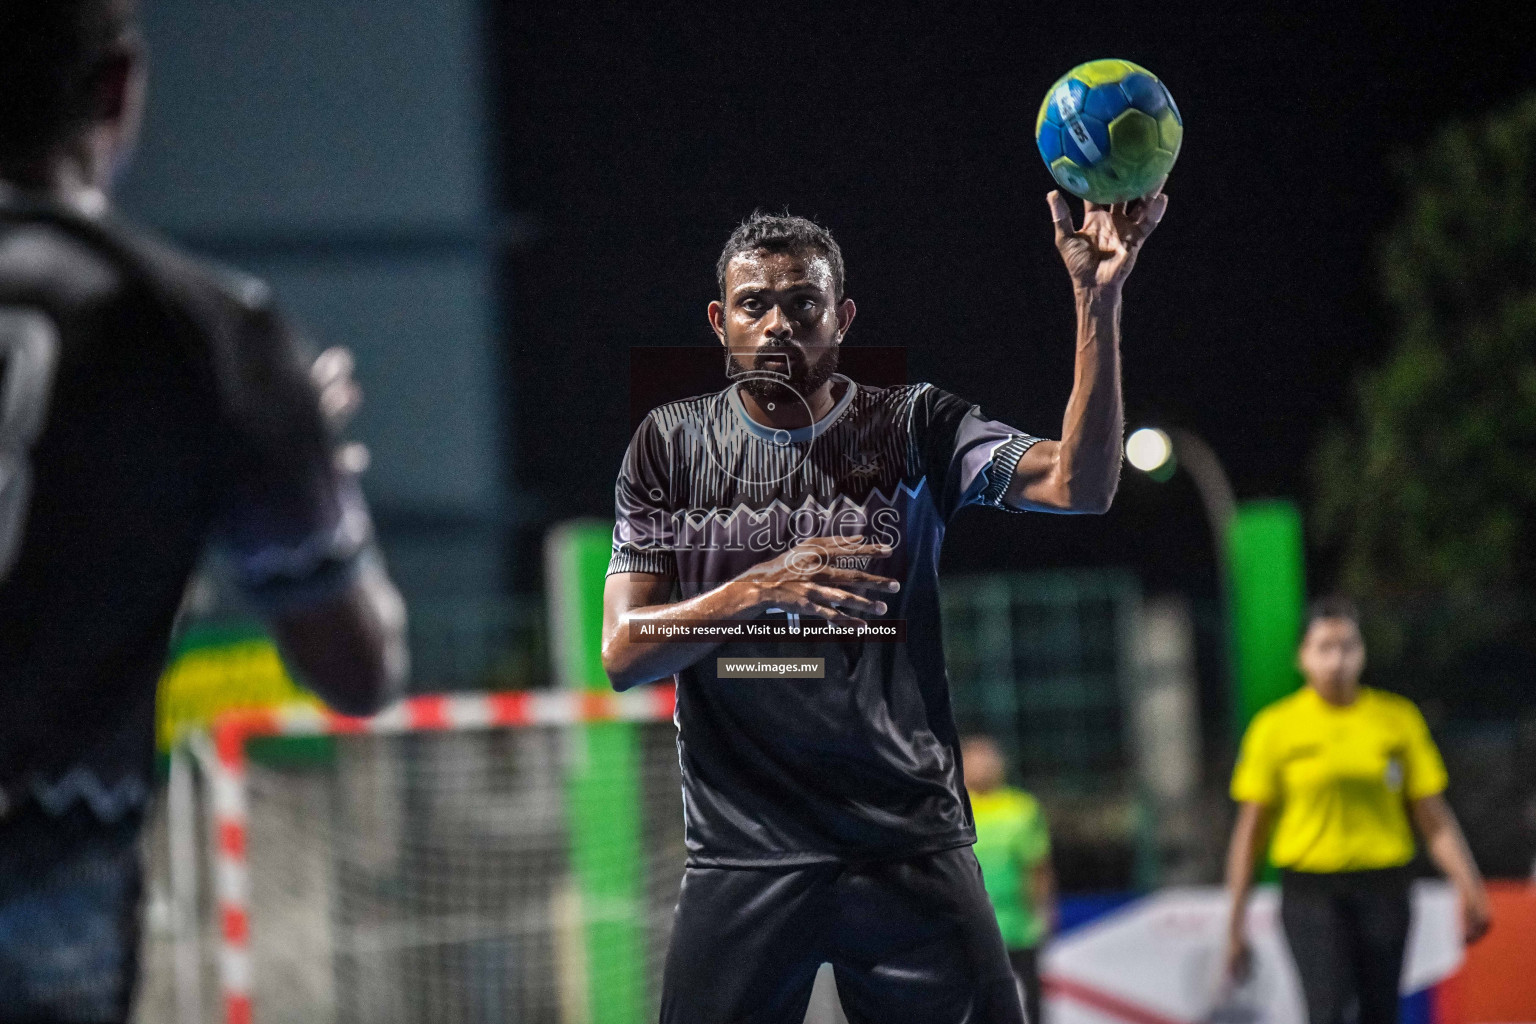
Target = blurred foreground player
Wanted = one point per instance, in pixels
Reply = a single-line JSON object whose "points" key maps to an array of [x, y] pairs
{"points": [[1338, 769], [1013, 847], [826, 817], [148, 404]]}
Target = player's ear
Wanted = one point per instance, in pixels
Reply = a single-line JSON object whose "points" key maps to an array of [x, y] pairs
{"points": [[117, 102], [716, 314], [845, 313], [117, 84]]}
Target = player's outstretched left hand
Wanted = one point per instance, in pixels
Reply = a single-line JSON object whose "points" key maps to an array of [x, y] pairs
{"points": [[340, 398], [1100, 254]]}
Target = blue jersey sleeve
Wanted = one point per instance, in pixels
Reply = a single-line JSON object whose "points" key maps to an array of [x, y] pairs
{"points": [[968, 459]]}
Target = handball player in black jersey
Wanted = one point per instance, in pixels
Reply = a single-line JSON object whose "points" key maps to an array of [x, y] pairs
{"points": [[825, 818], [148, 405]]}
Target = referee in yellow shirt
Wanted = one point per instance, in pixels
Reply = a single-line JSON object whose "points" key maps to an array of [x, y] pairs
{"points": [[1338, 769]]}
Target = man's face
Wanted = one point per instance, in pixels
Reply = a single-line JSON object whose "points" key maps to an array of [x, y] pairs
{"points": [[780, 314], [983, 762]]}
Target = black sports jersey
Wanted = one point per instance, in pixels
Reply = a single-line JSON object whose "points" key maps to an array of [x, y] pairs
{"points": [[148, 404], [862, 763]]}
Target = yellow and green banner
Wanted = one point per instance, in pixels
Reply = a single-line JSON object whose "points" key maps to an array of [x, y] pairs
{"points": [[217, 668]]}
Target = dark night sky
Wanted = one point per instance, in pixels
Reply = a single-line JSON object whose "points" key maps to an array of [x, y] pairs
{"points": [[635, 139]]}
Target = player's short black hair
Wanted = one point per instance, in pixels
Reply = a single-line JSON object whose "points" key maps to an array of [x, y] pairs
{"points": [[1331, 606], [782, 232], [52, 54]]}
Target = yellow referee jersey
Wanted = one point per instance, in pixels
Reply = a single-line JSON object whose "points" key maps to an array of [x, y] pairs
{"points": [[1339, 778]]}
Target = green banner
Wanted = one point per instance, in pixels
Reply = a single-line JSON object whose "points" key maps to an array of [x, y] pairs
{"points": [[1267, 588], [602, 784]]}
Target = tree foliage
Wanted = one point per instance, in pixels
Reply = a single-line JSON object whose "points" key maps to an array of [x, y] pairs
{"points": [[1429, 494]]}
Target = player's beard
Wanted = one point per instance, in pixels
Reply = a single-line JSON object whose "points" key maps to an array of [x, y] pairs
{"points": [[803, 381]]}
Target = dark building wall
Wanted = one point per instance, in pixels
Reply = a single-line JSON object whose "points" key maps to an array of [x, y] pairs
{"points": [[338, 150]]}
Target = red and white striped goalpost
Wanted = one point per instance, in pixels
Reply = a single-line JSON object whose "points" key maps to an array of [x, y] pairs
{"points": [[431, 713]]}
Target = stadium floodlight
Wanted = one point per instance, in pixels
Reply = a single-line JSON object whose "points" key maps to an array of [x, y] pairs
{"points": [[1160, 453], [1149, 449]]}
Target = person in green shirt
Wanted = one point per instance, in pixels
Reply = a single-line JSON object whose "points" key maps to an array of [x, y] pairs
{"points": [[1013, 848]]}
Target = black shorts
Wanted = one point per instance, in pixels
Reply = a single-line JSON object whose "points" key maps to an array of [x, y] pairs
{"points": [[910, 940], [1026, 967]]}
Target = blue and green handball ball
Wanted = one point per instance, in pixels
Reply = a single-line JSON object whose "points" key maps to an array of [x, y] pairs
{"points": [[1109, 131]]}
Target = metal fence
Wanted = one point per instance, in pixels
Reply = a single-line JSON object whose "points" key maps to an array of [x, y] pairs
{"points": [[480, 645], [1041, 662]]}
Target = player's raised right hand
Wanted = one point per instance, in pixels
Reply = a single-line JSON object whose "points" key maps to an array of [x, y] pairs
{"points": [[813, 578]]}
